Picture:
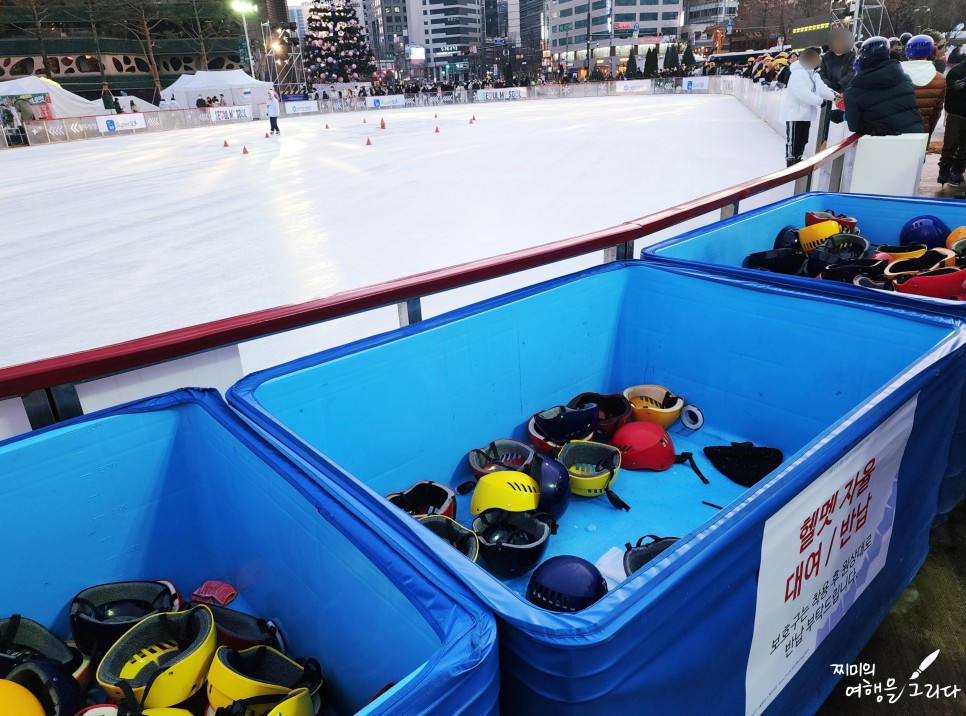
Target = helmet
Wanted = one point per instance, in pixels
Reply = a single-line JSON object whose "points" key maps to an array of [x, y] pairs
{"points": [[566, 584], [51, 684], [947, 283], [295, 703], [100, 615], [956, 236], [593, 467], [512, 543], [545, 445], [554, 482], [927, 230], [848, 223], [782, 55], [256, 673], [500, 455], [920, 47], [895, 253], [871, 268], [874, 51], [811, 237], [781, 62], [787, 238], [654, 404], [171, 652], [508, 490], [561, 423], [23, 639], [637, 556], [613, 410], [115, 710], [457, 535], [751, 60], [243, 631], [425, 498], [837, 249], [15, 700], [905, 37], [929, 261], [644, 446], [787, 261]]}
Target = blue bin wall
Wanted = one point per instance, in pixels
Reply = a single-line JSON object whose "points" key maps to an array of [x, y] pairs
{"points": [[751, 356], [723, 246], [176, 488]]}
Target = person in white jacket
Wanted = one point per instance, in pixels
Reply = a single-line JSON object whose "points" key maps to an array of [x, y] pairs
{"points": [[805, 93], [272, 107]]}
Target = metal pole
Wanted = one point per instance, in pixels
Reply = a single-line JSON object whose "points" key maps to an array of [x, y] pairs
{"points": [[248, 44]]}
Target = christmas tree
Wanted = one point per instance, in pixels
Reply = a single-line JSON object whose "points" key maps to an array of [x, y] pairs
{"points": [[335, 46]]}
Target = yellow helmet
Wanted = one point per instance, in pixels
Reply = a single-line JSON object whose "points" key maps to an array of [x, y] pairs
{"points": [[782, 55], [506, 489], [955, 236], [16, 700], [654, 404], [114, 710], [297, 703], [811, 237], [782, 62], [257, 678], [593, 467], [169, 651]]}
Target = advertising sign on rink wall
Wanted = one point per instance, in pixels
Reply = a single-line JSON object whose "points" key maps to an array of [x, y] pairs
{"points": [[229, 114], [301, 107], [113, 123], [504, 93], [633, 86], [389, 100]]}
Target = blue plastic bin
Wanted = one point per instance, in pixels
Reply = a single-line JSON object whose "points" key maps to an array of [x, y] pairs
{"points": [[722, 247], [814, 376], [177, 487]]}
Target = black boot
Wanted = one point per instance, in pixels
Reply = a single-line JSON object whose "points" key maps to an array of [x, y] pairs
{"points": [[956, 177], [943, 177]]}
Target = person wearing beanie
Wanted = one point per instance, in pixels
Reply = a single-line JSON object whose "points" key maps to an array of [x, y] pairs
{"points": [[952, 161], [881, 100], [929, 85], [806, 92]]}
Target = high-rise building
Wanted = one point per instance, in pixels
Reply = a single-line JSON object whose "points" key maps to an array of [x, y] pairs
{"points": [[277, 10], [298, 14], [699, 14], [451, 31]]}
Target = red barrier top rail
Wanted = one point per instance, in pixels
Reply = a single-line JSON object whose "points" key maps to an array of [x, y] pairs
{"points": [[160, 347]]}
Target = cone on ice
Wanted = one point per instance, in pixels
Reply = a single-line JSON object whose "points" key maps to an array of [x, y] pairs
{"points": [[382, 124], [473, 118], [225, 144], [437, 131], [244, 150], [363, 120], [368, 142], [326, 125], [435, 116], [471, 121], [266, 135]]}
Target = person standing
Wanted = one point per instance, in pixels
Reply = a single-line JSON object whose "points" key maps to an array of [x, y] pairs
{"points": [[881, 100], [200, 102], [806, 92], [929, 85], [107, 99], [272, 109], [952, 161], [836, 69], [173, 103], [22, 105]]}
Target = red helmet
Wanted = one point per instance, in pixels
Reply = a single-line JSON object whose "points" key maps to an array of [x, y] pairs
{"points": [[941, 283], [426, 498], [644, 446], [545, 445]]}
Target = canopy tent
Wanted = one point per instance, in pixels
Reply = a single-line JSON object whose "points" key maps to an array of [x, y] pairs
{"points": [[64, 103], [211, 83]]}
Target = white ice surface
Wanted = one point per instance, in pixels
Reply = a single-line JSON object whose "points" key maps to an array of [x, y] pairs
{"points": [[110, 240]]}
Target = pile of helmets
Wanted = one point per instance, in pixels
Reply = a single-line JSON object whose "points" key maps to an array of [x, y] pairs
{"points": [[139, 649], [928, 259], [521, 490]]}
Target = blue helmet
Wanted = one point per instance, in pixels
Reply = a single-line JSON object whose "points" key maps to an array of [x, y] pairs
{"points": [[905, 37], [920, 47], [926, 229], [875, 50], [566, 584], [554, 481]]}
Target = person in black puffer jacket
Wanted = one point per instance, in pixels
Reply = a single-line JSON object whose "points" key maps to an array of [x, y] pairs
{"points": [[881, 100], [836, 69]]}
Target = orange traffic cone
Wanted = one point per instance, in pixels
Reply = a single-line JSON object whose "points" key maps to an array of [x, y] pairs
{"points": [[363, 120], [437, 131], [266, 135], [435, 116], [473, 118], [326, 125], [368, 142], [471, 121], [225, 144], [382, 124], [244, 150]]}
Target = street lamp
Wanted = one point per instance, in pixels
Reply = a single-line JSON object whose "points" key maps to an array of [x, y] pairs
{"points": [[244, 8]]}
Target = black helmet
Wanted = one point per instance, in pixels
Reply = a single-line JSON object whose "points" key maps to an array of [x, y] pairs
{"points": [[51, 684], [561, 424], [100, 615], [462, 539], [636, 556], [787, 261], [512, 543], [787, 238], [566, 584], [837, 249], [23, 640], [613, 410]]}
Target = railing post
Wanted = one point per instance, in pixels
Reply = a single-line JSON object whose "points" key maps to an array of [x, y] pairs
{"points": [[835, 174], [729, 210], [803, 184], [410, 311]]}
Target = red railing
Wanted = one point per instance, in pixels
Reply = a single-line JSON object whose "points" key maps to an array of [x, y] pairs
{"points": [[99, 362]]}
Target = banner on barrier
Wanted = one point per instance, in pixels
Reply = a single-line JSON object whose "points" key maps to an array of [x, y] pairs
{"points": [[389, 100], [818, 554], [301, 107], [114, 123], [503, 93], [695, 84], [82, 128], [229, 114], [39, 103], [634, 86]]}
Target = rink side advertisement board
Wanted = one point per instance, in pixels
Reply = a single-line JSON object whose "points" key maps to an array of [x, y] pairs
{"points": [[114, 123], [229, 114], [629, 86], [818, 554], [389, 100], [502, 93], [301, 107]]}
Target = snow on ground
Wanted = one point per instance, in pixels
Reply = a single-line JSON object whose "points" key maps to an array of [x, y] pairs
{"points": [[109, 240]]}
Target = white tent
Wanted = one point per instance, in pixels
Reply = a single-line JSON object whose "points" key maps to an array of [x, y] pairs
{"points": [[211, 83], [64, 103]]}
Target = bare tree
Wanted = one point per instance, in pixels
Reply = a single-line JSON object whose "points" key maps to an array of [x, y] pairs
{"points": [[39, 13], [140, 18], [206, 19]]}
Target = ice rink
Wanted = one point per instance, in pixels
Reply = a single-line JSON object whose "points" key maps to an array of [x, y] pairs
{"points": [[108, 240]]}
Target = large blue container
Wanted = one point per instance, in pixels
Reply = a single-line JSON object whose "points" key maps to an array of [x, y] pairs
{"points": [[821, 378], [177, 487], [722, 247]]}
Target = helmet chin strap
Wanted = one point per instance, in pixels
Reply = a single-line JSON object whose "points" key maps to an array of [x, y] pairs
{"points": [[686, 457]]}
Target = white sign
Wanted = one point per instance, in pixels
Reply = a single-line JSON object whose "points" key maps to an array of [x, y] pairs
{"points": [[229, 114], [113, 123], [634, 86], [690, 84], [389, 100], [819, 553], [504, 93], [301, 107]]}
